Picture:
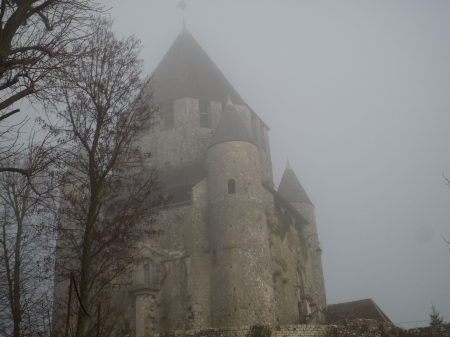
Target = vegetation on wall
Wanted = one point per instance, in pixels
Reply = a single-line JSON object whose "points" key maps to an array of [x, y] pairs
{"points": [[259, 331]]}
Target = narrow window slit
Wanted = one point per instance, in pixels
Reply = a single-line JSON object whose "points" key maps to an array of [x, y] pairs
{"points": [[231, 186]]}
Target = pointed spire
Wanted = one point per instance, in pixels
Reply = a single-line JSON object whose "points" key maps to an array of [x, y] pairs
{"points": [[187, 71], [231, 127], [184, 30], [290, 187]]}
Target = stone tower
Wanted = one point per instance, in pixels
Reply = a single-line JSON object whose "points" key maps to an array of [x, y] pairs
{"points": [[235, 251], [239, 246]]}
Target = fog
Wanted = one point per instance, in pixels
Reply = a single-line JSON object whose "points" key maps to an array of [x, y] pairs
{"points": [[357, 96]]}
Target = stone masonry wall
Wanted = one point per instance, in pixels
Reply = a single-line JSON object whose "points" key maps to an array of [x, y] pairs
{"points": [[357, 327], [239, 250], [287, 261], [439, 331], [314, 274], [184, 143], [184, 299], [187, 141]]}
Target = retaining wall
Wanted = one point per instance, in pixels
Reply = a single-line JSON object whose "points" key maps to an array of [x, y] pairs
{"points": [[357, 327]]}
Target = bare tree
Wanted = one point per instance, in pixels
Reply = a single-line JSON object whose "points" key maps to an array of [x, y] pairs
{"points": [[34, 43], [34, 35], [27, 230], [112, 194]]}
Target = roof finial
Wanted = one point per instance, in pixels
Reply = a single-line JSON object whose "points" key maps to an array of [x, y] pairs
{"points": [[182, 4], [229, 101], [288, 166]]}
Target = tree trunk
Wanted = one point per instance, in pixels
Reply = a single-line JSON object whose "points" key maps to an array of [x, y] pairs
{"points": [[85, 269], [17, 308]]}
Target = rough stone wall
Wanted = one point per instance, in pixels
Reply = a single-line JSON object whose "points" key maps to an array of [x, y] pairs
{"points": [[441, 331], [186, 142], [183, 267], [315, 284], [229, 276], [239, 252], [266, 159], [358, 327], [286, 260]]}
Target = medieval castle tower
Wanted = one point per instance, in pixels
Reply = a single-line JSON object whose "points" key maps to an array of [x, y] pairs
{"points": [[235, 251]]}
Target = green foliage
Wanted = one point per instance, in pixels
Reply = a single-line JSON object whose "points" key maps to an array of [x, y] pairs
{"points": [[435, 318], [168, 334], [126, 328], [259, 331]]}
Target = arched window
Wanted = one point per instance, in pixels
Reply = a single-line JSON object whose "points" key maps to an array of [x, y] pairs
{"points": [[149, 271], [231, 186]]}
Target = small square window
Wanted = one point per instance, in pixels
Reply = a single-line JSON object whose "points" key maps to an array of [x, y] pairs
{"points": [[231, 186]]}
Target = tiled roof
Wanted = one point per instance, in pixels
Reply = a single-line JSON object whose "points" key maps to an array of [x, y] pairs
{"points": [[182, 175], [366, 309], [290, 187], [187, 71], [231, 127]]}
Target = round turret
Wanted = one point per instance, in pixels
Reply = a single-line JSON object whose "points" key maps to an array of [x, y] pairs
{"points": [[240, 257], [292, 190]]}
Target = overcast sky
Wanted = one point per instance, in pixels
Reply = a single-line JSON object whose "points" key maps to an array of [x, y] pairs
{"points": [[357, 95]]}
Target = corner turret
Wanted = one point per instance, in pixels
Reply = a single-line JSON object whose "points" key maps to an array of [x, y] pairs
{"points": [[290, 187], [231, 127], [314, 301], [241, 280]]}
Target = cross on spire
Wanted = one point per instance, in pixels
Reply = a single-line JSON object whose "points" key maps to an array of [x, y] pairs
{"points": [[182, 4]]}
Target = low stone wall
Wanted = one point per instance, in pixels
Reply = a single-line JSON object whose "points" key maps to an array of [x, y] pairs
{"points": [[353, 328], [439, 331], [357, 327]]}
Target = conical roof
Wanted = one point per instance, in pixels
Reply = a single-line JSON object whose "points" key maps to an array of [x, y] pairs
{"points": [[290, 187], [187, 71], [231, 127]]}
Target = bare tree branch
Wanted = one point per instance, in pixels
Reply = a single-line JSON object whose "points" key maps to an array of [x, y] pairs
{"points": [[34, 36], [447, 181], [444, 239], [9, 114], [111, 194], [21, 94], [27, 225]]}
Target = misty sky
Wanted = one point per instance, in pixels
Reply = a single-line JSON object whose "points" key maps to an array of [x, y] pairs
{"points": [[357, 95]]}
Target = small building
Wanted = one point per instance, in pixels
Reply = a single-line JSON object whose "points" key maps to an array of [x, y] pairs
{"points": [[364, 309]]}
